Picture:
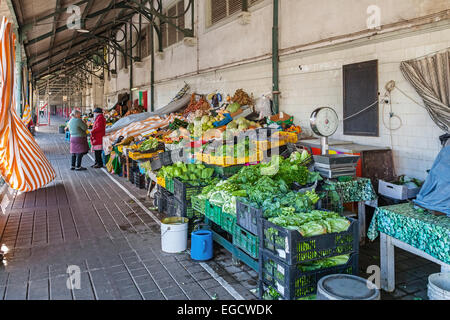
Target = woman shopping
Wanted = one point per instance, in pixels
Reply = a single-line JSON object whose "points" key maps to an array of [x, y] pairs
{"points": [[97, 134], [78, 140]]}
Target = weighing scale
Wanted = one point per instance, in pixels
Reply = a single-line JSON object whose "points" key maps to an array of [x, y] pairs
{"points": [[325, 122]]}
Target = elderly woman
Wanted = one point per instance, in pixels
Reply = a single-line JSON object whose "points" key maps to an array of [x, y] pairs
{"points": [[78, 140], [97, 134]]}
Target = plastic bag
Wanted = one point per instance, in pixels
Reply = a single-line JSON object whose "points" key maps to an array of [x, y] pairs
{"points": [[263, 107]]}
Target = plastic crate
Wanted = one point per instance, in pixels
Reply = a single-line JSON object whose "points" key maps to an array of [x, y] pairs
{"points": [[292, 248], [169, 184], [139, 179], [228, 222], [160, 202], [246, 241], [213, 213], [291, 282], [248, 217], [165, 158], [156, 163], [183, 191], [198, 204]]}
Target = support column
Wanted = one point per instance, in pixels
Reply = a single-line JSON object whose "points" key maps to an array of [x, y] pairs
{"points": [[275, 59]]}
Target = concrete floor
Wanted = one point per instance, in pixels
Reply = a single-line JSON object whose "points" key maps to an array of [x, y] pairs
{"points": [[84, 219]]}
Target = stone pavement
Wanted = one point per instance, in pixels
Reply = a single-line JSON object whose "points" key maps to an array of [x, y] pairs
{"points": [[84, 219]]}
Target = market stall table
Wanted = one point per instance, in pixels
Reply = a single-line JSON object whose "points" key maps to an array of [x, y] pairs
{"points": [[358, 190], [414, 230]]}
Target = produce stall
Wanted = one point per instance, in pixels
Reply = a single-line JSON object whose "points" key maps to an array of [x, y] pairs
{"points": [[252, 183]]}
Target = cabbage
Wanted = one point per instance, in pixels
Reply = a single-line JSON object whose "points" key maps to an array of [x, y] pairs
{"points": [[311, 229], [337, 224], [234, 107]]}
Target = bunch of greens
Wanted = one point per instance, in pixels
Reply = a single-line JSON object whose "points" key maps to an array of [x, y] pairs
{"points": [[149, 144], [178, 123], [240, 149], [288, 170], [195, 174], [313, 223], [324, 263]]}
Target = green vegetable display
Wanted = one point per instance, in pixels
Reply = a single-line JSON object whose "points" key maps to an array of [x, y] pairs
{"points": [[149, 144], [313, 223], [177, 124], [195, 174]]}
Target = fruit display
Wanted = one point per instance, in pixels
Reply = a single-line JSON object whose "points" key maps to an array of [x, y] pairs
{"points": [[242, 98], [195, 105]]}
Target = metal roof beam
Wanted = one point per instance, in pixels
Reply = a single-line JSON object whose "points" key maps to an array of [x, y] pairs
{"points": [[80, 42], [30, 24], [63, 28]]}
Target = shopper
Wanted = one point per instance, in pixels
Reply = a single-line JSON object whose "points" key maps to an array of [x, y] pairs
{"points": [[78, 140], [97, 134]]}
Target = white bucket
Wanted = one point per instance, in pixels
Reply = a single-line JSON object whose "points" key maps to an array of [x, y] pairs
{"points": [[439, 286], [174, 232]]}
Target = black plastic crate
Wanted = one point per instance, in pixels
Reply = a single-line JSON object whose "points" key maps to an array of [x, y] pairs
{"points": [[183, 191], [139, 179], [248, 217], [293, 283], [160, 202], [166, 158], [156, 163], [131, 174], [292, 248], [176, 208]]}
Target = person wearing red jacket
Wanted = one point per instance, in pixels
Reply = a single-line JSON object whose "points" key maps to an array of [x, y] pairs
{"points": [[97, 134]]}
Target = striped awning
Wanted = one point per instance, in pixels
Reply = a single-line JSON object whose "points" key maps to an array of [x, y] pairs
{"points": [[22, 163], [136, 129]]}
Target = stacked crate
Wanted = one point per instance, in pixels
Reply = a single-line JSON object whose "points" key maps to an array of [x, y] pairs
{"points": [[283, 254]]}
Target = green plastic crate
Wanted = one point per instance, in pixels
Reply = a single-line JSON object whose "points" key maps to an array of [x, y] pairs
{"points": [[169, 184], [228, 222], [246, 241], [198, 204], [213, 213]]}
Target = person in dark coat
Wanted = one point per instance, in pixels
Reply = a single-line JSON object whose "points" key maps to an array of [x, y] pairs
{"points": [[97, 134], [78, 140]]}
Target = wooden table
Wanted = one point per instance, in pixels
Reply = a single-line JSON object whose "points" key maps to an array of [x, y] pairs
{"points": [[411, 229], [387, 245]]}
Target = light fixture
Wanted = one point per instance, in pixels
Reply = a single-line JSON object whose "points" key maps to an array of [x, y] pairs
{"points": [[134, 89], [82, 30]]}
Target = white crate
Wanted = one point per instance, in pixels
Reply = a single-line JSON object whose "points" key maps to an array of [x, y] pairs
{"points": [[394, 191]]}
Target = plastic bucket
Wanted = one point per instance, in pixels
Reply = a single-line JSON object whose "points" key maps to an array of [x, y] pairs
{"points": [[346, 287], [174, 233], [201, 245], [439, 286]]}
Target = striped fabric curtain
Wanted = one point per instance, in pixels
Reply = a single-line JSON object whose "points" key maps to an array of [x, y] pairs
{"points": [[26, 117], [430, 76], [22, 163]]}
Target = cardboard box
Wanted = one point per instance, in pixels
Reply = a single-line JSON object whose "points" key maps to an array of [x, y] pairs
{"points": [[394, 191]]}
